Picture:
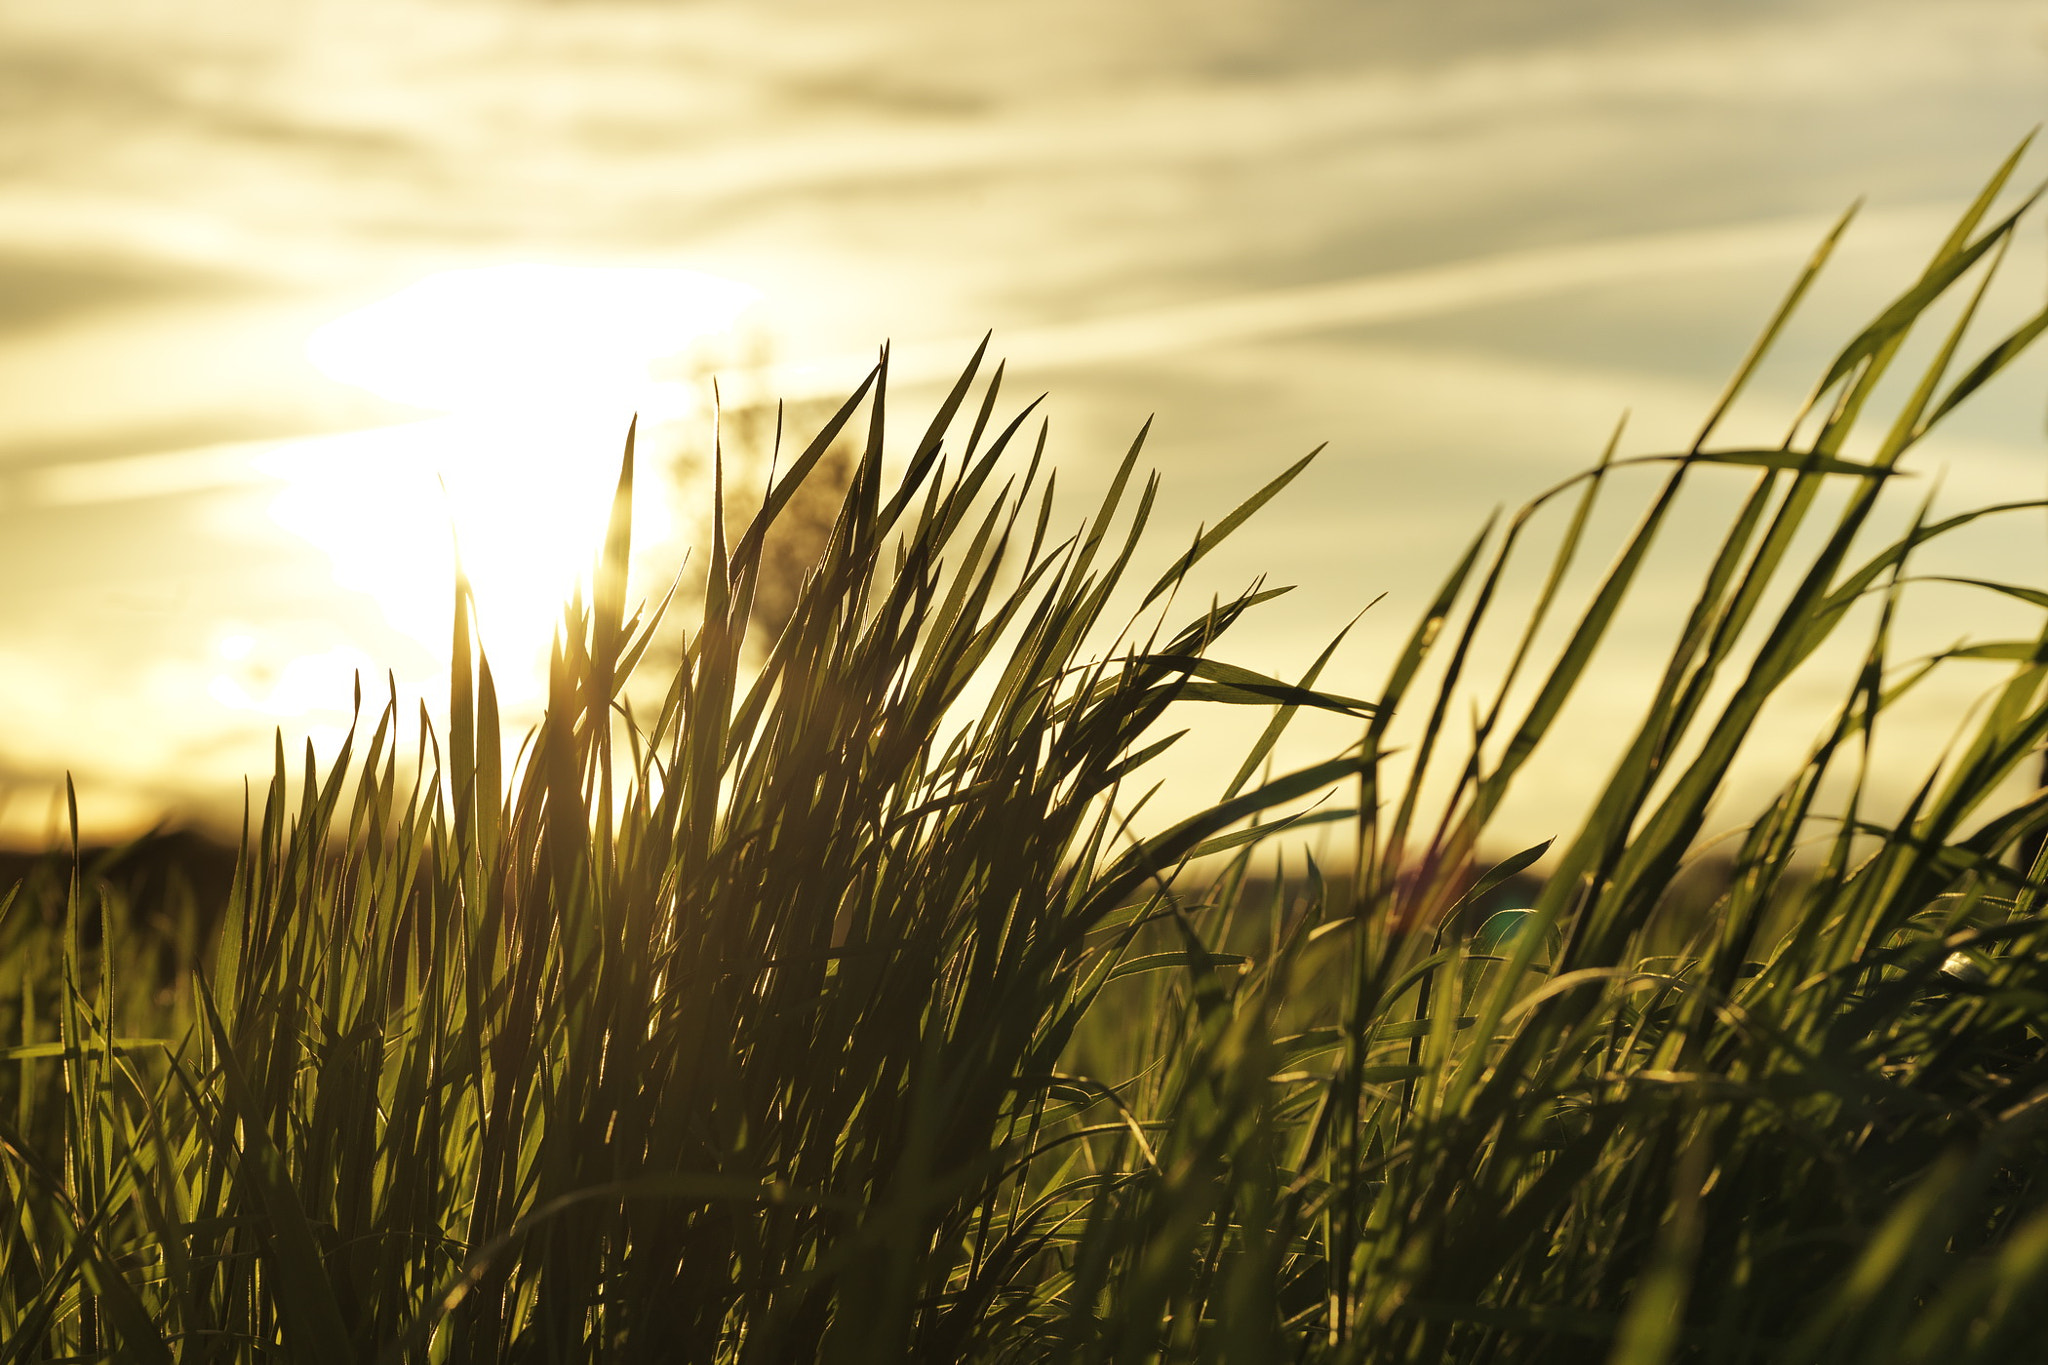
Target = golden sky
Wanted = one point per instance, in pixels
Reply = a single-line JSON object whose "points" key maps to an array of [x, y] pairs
{"points": [[1454, 240]]}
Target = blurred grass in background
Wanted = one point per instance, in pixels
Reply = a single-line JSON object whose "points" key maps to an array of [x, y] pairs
{"points": [[796, 1017]]}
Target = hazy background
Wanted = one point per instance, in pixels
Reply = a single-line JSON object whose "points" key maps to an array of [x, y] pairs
{"points": [[1453, 238]]}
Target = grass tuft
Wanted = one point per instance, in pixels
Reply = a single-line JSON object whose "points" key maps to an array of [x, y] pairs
{"points": [[839, 1006]]}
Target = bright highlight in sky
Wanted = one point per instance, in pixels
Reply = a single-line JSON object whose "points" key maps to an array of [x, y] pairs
{"points": [[522, 336], [538, 368]]}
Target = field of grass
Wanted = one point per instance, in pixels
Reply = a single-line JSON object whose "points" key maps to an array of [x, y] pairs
{"points": [[797, 1018]]}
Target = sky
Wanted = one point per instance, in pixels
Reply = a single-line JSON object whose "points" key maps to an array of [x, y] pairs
{"points": [[287, 289]]}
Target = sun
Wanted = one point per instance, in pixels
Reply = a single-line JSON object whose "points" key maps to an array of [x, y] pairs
{"points": [[491, 339], [535, 371]]}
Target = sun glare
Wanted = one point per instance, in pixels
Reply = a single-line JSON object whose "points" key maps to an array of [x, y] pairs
{"points": [[537, 370], [501, 337]]}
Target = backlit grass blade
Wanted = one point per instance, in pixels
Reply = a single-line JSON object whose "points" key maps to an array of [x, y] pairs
{"points": [[1216, 535], [313, 1326]]}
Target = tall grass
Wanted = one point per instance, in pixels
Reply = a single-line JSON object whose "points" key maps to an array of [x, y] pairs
{"points": [[798, 1018]]}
